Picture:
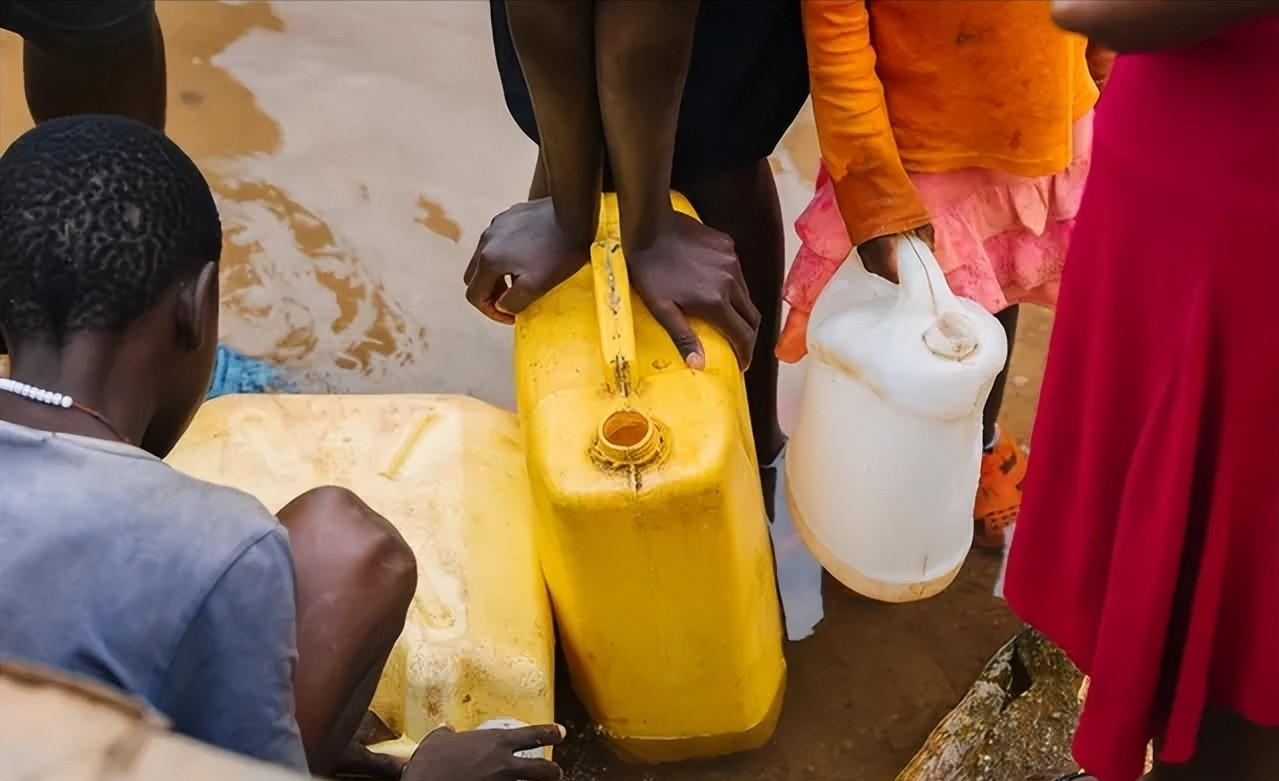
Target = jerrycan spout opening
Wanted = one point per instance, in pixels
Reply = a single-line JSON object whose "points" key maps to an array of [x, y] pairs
{"points": [[627, 438], [952, 337]]}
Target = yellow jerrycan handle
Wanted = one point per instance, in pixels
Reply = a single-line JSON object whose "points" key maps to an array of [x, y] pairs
{"points": [[627, 437], [613, 311], [613, 308]]}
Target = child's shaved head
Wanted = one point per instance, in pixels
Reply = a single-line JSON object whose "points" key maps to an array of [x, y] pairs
{"points": [[99, 216]]}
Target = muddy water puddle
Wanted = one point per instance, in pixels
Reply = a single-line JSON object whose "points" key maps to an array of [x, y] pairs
{"points": [[356, 151]]}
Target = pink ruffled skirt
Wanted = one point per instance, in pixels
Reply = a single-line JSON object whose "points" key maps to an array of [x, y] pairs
{"points": [[1000, 238]]}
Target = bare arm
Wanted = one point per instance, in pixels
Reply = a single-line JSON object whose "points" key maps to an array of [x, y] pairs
{"points": [[1137, 25], [876, 197], [539, 244], [610, 74], [555, 40], [679, 267], [643, 54]]}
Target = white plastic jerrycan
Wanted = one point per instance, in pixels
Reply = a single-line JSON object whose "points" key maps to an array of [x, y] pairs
{"points": [[883, 466]]}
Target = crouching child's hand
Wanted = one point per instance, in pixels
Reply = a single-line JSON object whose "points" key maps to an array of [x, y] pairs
{"points": [[485, 755]]}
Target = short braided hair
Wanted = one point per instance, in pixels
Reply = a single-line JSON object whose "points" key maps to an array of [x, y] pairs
{"points": [[99, 215]]}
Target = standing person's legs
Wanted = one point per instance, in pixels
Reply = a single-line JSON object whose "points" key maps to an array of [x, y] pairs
{"points": [[1003, 466], [743, 203], [355, 580], [90, 56], [995, 402]]}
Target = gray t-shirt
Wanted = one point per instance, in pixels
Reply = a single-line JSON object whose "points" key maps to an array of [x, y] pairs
{"points": [[116, 567]]}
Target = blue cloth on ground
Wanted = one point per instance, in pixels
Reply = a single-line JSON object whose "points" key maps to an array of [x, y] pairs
{"points": [[235, 372]]}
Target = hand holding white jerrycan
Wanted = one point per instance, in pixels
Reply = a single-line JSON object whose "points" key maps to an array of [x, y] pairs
{"points": [[883, 466]]}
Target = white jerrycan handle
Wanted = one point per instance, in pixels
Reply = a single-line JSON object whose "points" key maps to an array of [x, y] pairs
{"points": [[924, 293], [922, 285]]}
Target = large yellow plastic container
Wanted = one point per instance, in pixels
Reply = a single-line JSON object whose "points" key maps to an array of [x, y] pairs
{"points": [[449, 473], [652, 530]]}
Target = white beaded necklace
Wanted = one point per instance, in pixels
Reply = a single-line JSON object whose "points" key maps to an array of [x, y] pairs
{"points": [[62, 400], [36, 394]]}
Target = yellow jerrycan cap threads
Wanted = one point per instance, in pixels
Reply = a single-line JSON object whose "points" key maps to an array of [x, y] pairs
{"points": [[628, 437]]}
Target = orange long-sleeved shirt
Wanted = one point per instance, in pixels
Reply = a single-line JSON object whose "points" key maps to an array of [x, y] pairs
{"points": [[935, 85]]}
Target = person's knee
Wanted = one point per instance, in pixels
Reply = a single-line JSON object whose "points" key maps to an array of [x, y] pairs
{"points": [[373, 551], [396, 566], [378, 546], [332, 502]]}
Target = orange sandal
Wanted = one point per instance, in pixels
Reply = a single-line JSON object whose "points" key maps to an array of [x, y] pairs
{"points": [[998, 492]]}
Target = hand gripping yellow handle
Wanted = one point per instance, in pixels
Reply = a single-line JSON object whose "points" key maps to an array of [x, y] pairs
{"points": [[613, 295]]}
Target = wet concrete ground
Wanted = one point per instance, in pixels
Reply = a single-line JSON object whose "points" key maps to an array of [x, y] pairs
{"points": [[357, 150]]}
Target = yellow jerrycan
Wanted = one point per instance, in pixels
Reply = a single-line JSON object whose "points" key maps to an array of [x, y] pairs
{"points": [[449, 472], [652, 527]]}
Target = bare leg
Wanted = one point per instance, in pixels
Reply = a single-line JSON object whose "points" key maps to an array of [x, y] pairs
{"points": [[995, 402], [1229, 747], [743, 203], [355, 580], [127, 79]]}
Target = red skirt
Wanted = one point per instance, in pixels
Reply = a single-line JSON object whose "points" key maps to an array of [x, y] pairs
{"points": [[1148, 543]]}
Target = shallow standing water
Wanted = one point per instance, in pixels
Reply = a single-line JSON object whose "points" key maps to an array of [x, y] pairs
{"points": [[357, 150]]}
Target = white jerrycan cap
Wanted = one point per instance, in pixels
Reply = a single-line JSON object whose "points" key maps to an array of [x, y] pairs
{"points": [[915, 344], [951, 337], [506, 722]]}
